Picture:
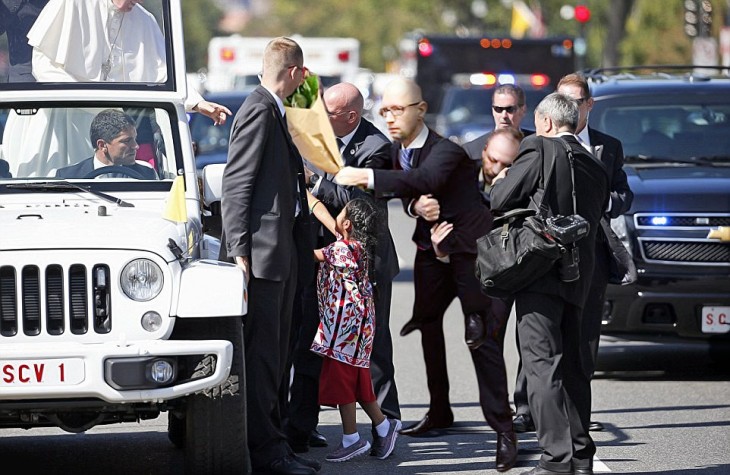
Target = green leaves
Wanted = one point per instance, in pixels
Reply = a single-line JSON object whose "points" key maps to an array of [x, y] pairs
{"points": [[306, 94]]}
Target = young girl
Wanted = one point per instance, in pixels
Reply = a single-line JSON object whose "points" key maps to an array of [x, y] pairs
{"points": [[346, 329]]}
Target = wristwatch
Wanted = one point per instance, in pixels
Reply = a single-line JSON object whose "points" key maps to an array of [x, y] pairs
{"points": [[313, 180]]}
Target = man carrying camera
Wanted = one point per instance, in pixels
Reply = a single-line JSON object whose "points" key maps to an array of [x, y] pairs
{"points": [[549, 310]]}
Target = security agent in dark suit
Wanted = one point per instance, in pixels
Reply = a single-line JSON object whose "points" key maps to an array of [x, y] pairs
{"points": [[610, 151], [264, 222], [508, 109], [439, 167], [361, 143], [114, 137], [549, 310]]}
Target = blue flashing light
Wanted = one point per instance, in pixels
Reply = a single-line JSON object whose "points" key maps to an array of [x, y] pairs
{"points": [[659, 220], [505, 78]]}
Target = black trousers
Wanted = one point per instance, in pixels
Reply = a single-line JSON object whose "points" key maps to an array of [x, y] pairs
{"points": [[436, 286], [558, 388], [592, 316], [266, 335]]}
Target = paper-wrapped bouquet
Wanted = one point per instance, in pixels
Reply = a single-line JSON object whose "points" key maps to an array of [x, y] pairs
{"points": [[310, 127]]}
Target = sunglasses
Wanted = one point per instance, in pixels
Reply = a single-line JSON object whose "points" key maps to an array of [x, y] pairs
{"points": [[508, 109]]}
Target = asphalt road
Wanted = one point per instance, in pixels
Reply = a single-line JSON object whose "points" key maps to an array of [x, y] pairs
{"points": [[666, 409]]}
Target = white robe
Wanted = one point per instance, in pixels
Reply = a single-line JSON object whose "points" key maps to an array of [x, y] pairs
{"points": [[71, 41]]}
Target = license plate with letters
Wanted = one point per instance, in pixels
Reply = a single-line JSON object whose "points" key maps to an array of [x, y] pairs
{"points": [[42, 372], [715, 319]]}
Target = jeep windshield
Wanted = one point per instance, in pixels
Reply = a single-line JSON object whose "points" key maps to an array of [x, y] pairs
{"points": [[678, 129], [95, 142]]}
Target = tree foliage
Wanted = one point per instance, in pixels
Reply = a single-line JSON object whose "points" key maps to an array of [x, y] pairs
{"points": [[620, 32]]}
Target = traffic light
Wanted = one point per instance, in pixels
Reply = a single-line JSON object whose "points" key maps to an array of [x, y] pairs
{"points": [[582, 14], [698, 18], [691, 18]]}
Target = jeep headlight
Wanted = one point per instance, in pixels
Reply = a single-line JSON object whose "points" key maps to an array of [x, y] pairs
{"points": [[141, 280], [619, 227]]}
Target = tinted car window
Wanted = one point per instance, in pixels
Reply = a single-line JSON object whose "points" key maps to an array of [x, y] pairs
{"points": [[660, 126]]}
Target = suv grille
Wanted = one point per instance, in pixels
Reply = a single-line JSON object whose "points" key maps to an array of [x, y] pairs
{"points": [[700, 252], [681, 221], [54, 300]]}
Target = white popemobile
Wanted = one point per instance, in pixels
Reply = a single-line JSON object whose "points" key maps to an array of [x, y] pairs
{"points": [[113, 307]]}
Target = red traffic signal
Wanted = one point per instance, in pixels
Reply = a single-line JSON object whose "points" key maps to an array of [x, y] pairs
{"points": [[582, 13]]}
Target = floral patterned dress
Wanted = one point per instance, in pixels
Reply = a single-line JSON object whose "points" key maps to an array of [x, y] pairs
{"points": [[346, 309]]}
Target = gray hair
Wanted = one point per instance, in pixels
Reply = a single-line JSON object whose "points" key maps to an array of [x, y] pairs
{"points": [[561, 109]]}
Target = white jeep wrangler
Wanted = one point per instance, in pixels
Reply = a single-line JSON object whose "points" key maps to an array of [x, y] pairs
{"points": [[113, 307]]}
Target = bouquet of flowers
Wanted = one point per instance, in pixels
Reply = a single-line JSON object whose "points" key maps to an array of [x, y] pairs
{"points": [[310, 127]]}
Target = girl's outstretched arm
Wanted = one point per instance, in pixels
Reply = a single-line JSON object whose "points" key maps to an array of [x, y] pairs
{"points": [[319, 210]]}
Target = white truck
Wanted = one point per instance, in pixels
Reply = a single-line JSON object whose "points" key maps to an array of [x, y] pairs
{"points": [[234, 62], [113, 308]]}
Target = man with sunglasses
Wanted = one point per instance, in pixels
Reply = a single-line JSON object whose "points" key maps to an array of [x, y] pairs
{"points": [[508, 110], [425, 163]]}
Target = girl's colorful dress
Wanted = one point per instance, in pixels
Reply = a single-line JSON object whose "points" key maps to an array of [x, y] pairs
{"points": [[347, 324]]}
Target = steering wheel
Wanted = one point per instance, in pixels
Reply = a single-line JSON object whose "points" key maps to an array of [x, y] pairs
{"points": [[126, 171]]}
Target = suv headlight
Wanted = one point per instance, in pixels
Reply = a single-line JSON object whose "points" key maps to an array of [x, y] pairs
{"points": [[141, 280], [619, 227]]}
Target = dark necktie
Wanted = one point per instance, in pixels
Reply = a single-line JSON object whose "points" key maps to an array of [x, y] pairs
{"points": [[340, 145], [405, 158]]}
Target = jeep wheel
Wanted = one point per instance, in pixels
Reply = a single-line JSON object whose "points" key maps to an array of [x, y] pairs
{"points": [[214, 433]]}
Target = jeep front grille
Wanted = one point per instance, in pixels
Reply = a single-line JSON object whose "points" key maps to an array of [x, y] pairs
{"points": [[685, 251], [54, 300]]}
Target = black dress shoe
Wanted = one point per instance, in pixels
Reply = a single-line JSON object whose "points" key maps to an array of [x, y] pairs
{"points": [[594, 426], [475, 331], [506, 451], [583, 471], [523, 423], [308, 462], [288, 466], [409, 327], [316, 439], [427, 424]]}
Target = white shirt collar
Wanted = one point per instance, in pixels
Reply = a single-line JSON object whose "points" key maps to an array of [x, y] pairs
{"points": [[346, 139], [277, 99], [584, 136], [420, 139]]}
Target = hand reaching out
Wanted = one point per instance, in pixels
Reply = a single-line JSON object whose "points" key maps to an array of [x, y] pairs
{"points": [[438, 234], [215, 111]]}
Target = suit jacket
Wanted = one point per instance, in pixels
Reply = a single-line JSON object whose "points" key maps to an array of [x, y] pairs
{"points": [[527, 174], [441, 168], [475, 147], [366, 147], [612, 157], [260, 191], [83, 168]]}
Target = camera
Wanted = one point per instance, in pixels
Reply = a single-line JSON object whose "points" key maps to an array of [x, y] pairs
{"points": [[568, 268], [567, 229]]}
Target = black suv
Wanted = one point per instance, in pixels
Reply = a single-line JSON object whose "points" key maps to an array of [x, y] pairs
{"points": [[675, 130]]}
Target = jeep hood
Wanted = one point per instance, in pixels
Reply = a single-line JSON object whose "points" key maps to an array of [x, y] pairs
{"points": [[88, 227], [680, 189]]}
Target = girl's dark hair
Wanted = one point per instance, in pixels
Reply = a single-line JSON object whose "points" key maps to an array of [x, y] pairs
{"points": [[365, 220]]}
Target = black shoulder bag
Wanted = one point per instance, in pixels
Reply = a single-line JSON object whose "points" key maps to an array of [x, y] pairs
{"points": [[523, 249]]}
